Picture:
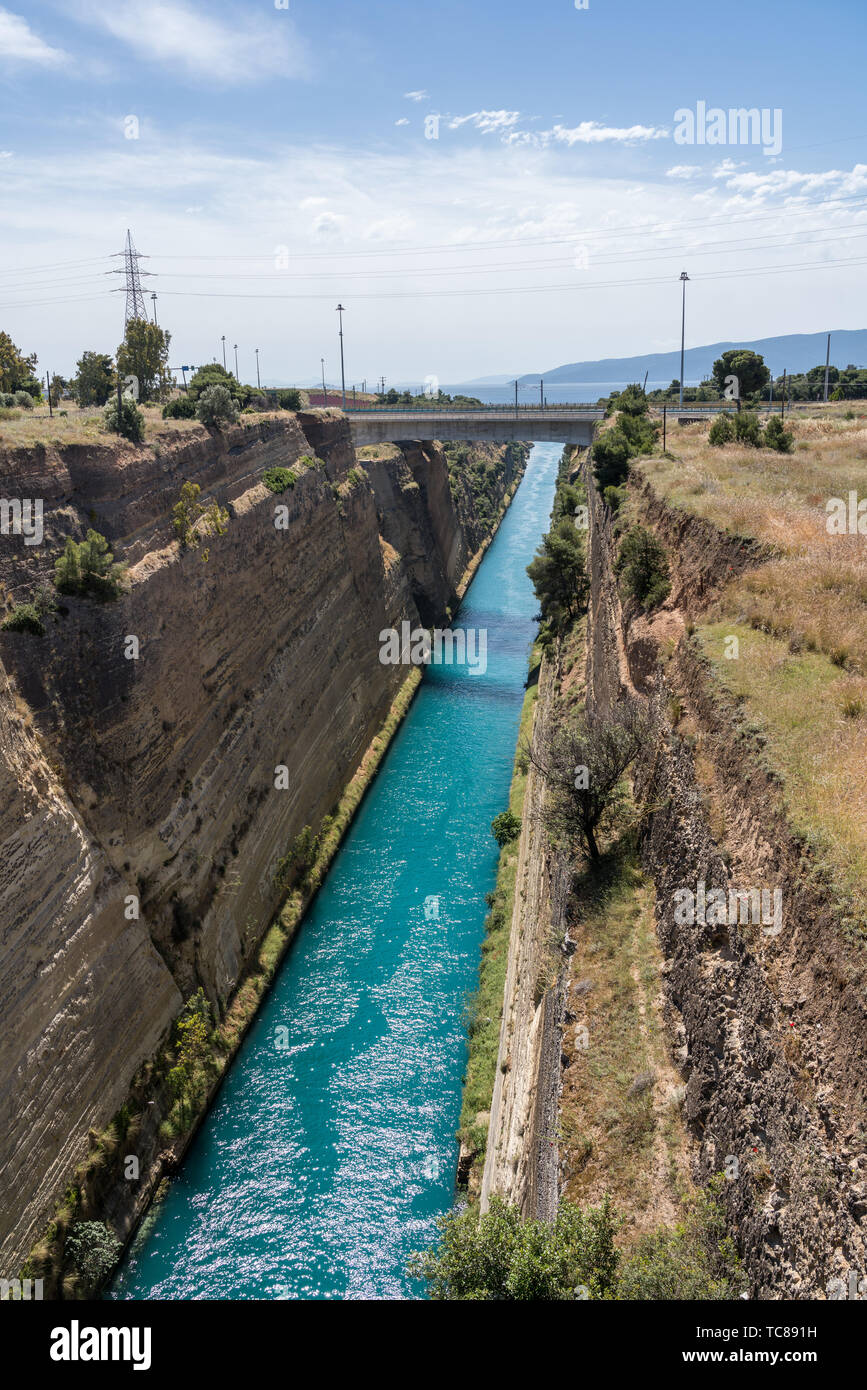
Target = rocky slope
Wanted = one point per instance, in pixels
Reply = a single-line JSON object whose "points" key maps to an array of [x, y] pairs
{"points": [[142, 815]]}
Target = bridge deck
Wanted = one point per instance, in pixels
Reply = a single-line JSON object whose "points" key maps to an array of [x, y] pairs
{"points": [[497, 424]]}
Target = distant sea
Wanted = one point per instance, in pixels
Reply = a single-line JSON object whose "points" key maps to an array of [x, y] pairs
{"points": [[560, 392]]}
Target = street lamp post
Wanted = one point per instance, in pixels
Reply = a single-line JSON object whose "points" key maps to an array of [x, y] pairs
{"points": [[154, 301], [223, 341], [237, 378], [258, 382], [324, 391], [341, 311], [683, 279]]}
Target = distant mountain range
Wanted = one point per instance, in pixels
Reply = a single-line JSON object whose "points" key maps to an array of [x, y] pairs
{"points": [[792, 352]]}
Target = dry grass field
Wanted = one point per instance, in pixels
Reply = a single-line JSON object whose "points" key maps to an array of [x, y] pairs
{"points": [[800, 619]]}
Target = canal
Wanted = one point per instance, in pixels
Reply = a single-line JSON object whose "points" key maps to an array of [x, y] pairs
{"points": [[331, 1148]]}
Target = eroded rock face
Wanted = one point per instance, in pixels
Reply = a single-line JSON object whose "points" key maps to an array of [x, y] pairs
{"points": [[153, 778]]}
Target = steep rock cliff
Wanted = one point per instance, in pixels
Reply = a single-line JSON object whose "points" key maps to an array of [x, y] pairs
{"points": [[148, 783]]}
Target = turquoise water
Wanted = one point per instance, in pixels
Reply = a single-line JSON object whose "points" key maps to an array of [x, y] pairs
{"points": [[327, 1160]]}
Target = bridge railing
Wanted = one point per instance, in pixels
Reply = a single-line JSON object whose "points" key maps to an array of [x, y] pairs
{"points": [[569, 407]]}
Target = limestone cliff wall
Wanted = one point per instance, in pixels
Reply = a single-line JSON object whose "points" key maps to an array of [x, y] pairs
{"points": [[153, 778]]}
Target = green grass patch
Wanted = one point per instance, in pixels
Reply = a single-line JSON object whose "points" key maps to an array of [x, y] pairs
{"points": [[807, 713]]}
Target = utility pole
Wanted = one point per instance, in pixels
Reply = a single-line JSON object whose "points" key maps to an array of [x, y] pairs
{"points": [[258, 382], [541, 394], [223, 341], [783, 396], [827, 367], [237, 377], [341, 311], [663, 429], [516, 397], [154, 302], [48, 384], [683, 279], [324, 392]]}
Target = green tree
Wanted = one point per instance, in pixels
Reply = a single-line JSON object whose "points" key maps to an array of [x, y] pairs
{"points": [[558, 574], [216, 407], [749, 368], [610, 455], [144, 356], [722, 431], [16, 370], [584, 763], [194, 523], [497, 1256], [505, 827], [94, 378], [88, 567], [290, 399], [92, 1249]]}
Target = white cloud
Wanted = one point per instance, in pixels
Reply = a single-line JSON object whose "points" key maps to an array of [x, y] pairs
{"points": [[593, 132], [416, 96], [230, 53], [403, 121], [683, 171], [19, 44], [486, 121], [727, 166]]}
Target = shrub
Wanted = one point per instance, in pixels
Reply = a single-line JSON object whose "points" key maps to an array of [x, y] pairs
{"points": [[615, 497], [278, 479], [215, 407], [92, 1249], [27, 617], [747, 428], [7, 399], [88, 568], [505, 827], [643, 565], [24, 400], [181, 408], [696, 1260], [289, 400], [130, 424], [497, 1256], [778, 437], [721, 431]]}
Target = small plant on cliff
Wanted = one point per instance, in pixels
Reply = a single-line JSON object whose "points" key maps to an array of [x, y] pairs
{"points": [[216, 407], [91, 1248], [278, 479], [27, 617], [129, 424], [584, 763], [289, 399], [193, 522], [88, 568], [643, 565], [497, 1256], [505, 827]]}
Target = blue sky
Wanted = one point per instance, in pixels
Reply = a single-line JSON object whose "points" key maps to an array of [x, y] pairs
{"points": [[280, 161]]}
